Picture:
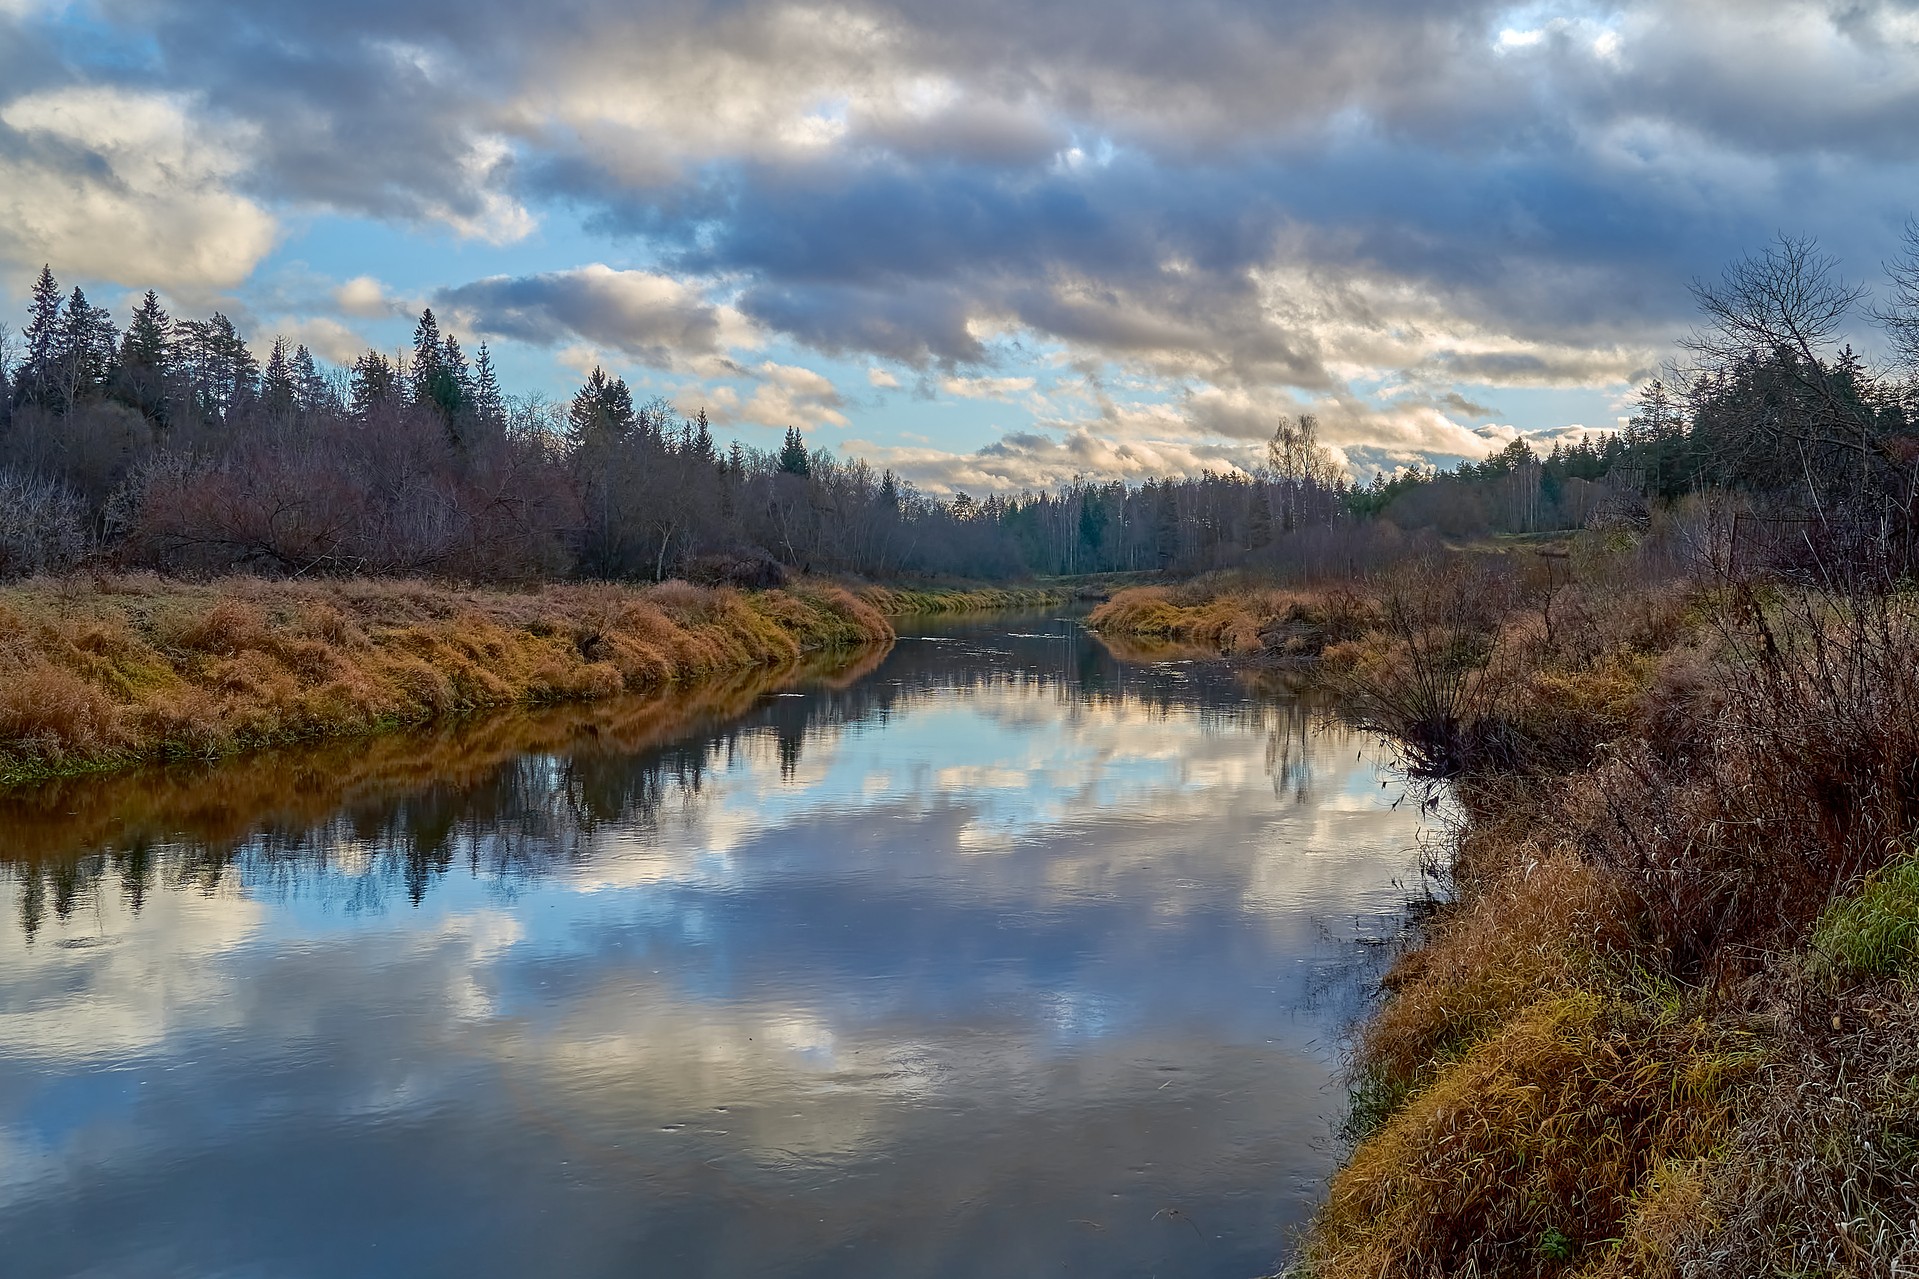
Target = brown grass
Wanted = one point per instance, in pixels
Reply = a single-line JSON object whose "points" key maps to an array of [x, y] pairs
{"points": [[109, 673], [1237, 618], [896, 601], [220, 803]]}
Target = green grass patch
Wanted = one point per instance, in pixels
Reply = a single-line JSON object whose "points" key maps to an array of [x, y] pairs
{"points": [[1875, 932]]}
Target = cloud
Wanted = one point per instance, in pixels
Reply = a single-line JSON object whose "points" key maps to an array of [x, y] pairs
{"points": [[880, 378], [653, 319], [986, 388], [327, 338], [125, 186], [365, 297], [788, 395], [1036, 460]]}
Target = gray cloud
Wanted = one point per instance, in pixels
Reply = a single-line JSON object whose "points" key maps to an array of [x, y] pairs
{"points": [[654, 319]]}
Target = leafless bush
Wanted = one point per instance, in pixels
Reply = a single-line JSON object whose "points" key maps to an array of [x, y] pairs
{"points": [[1429, 680], [1806, 778], [42, 526]]}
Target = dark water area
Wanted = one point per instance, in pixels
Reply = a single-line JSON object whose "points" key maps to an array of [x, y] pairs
{"points": [[994, 955]]}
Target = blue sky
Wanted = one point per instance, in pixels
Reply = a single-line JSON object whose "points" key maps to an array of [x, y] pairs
{"points": [[990, 244]]}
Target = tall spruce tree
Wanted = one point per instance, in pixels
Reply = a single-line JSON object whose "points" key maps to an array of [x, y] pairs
{"points": [[602, 409], [489, 405], [146, 359], [84, 342], [312, 392], [279, 391], [374, 382], [219, 368], [428, 361], [36, 381], [793, 458]]}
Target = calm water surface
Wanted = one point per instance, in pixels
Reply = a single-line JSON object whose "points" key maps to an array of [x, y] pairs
{"points": [[999, 957]]}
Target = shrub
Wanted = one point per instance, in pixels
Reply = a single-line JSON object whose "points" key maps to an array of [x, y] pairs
{"points": [[42, 527]]}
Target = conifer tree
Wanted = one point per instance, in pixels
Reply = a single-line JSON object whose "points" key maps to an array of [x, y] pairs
{"points": [[793, 459], [311, 391], [84, 343], [279, 390], [428, 362], [602, 408], [489, 405], [35, 384], [146, 359], [1259, 521], [703, 438], [374, 382], [221, 371]]}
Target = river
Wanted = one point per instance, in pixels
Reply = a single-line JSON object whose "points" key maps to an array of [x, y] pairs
{"points": [[993, 956]]}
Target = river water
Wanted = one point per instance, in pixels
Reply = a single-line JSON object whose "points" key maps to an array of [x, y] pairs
{"points": [[993, 956]]}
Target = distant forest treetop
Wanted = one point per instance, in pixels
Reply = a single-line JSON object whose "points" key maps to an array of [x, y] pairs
{"points": [[169, 445]]}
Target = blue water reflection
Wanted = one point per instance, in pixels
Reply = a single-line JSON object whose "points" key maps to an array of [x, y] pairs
{"points": [[1005, 958]]}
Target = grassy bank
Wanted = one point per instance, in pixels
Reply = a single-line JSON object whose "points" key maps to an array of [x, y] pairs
{"points": [[1237, 616], [1665, 1018], [219, 803], [104, 673], [929, 601]]}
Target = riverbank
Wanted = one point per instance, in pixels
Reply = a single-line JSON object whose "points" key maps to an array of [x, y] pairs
{"points": [[1664, 1018], [103, 673]]}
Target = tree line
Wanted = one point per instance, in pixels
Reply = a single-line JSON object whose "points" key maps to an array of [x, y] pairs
{"points": [[170, 445]]}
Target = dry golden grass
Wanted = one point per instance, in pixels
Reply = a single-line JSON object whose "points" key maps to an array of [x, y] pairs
{"points": [[1542, 925], [1237, 619], [1530, 1153], [220, 803], [106, 673], [907, 602]]}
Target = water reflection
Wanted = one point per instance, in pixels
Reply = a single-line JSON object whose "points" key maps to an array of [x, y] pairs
{"points": [[999, 955]]}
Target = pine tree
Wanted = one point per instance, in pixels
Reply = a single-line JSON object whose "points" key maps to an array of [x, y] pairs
{"points": [[428, 357], [374, 382], [450, 390], [1259, 521], [489, 405], [35, 383], [312, 392], [793, 459], [453, 362], [84, 342], [602, 408], [703, 438], [221, 371], [146, 359], [279, 390]]}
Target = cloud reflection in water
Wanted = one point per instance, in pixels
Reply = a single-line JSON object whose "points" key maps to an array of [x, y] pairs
{"points": [[972, 965]]}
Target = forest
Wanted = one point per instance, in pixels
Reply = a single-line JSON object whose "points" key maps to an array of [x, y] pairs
{"points": [[169, 445]]}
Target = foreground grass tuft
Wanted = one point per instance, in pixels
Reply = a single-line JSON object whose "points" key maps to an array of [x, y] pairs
{"points": [[1875, 932]]}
